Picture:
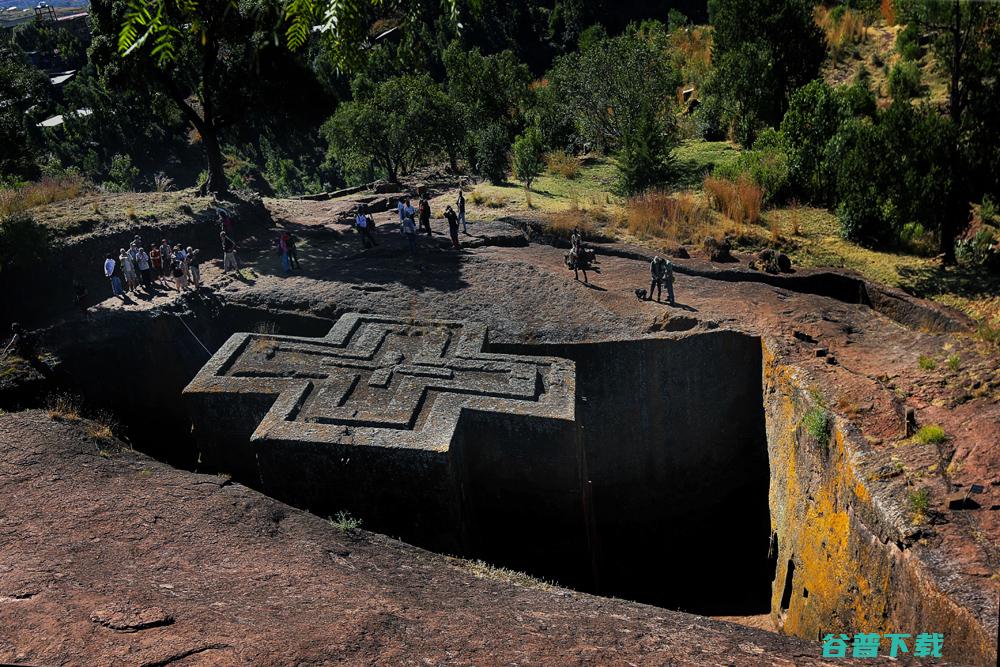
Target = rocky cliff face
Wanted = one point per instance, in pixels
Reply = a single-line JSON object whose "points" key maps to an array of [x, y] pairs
{"points": [[849, 558]]}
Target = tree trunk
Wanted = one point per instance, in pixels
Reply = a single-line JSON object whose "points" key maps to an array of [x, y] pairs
{"points": [[216, 182], [948, 222]]}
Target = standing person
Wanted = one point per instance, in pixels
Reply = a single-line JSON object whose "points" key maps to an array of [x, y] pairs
{"points": [[461, 210], [425, 215], [401, 210], [194, 266], [179, 273], [111, 273], [129, 270], [293, 255], [661, 271], [283, 251], [362, 221], [576, 240], [165, 256], [452, 219], [228, 253], [156, 262], [142, 259], [133, 253], [227, 222], [410, 232]]}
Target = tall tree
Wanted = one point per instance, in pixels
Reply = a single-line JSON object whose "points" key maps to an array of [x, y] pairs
{"points": [[762, 51], [965, 38]]}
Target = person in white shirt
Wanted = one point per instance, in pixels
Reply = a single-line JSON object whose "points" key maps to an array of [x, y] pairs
{"points": [[109, 273], [142, 261]]}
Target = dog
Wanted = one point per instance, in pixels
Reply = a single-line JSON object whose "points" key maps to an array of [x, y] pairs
{"points": [[640, 294]]}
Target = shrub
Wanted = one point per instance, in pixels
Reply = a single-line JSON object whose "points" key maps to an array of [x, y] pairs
{"points": [[908, 43], [766, 165], [926, 363], [979, 251], [563, 164], [644, 157], [122, 175], [817, 423], [740, 201], [345, 522], [954, 362], [904, 81], [931, 434]]}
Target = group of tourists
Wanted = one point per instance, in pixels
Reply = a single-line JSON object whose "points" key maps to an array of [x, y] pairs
{"points": [[414, 221], [136, 268]]}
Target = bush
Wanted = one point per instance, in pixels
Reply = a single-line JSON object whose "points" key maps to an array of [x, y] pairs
{"points": [[740, 201], [979, 251], [491, 153], [122, 175], [767, 166], [908, 43], [904, 81], [926, 363]]}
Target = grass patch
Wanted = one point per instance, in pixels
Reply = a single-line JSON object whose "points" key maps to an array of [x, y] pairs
{"points": [[45, 191], [919, 502], [954, 362], [931, 434], [817, 423], [695, 159], [64, 407], [590, 189], [345, 522], [484, 570], [681, 218], [926, 362], [740, 201]]}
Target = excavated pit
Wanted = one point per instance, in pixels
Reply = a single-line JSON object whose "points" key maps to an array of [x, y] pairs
{"points": [[689, 483], [671, 478]]}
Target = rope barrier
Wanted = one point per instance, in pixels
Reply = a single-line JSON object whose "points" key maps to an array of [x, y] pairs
{"points": [[192, 334]]}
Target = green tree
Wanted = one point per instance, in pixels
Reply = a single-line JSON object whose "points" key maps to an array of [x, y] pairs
{"points": [[23, 90], [903, 191], [965, 38], [528, 159], [763, 50], [492, 159], [395, 123], [644, 158], [614, 85]]}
